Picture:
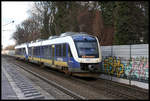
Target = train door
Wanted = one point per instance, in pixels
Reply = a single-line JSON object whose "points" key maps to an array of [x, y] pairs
{"points": [[53, 54]]}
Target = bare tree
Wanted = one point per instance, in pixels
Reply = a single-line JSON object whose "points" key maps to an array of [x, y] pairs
{"points": [[10, 47]]}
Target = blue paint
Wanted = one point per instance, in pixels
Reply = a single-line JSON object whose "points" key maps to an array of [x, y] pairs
{"points": [[72, 63], [67, 45], [26, 56]]}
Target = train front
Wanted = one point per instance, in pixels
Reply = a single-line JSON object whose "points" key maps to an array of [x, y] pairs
{"points": [[88, 56]]}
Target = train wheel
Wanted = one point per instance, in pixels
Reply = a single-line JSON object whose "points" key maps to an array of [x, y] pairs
{"points": [[67, 72]]}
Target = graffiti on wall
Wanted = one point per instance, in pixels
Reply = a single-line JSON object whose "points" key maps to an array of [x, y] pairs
{"points": [[113, 66], [135, 68]]}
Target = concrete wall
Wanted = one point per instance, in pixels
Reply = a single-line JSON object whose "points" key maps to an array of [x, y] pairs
{"points": [[126, 61]]}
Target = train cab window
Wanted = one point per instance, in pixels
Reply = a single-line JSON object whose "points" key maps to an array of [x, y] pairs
{"points": [[69, 52], [64, 50]]}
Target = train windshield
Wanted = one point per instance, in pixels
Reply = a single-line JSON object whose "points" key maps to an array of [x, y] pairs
{"points": [[87, 49]]}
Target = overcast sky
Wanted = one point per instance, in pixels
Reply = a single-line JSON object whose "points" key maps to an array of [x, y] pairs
{"points": [[12, 11]]}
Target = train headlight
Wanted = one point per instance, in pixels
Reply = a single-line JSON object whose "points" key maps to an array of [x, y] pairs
{"points": [[91, 67]]}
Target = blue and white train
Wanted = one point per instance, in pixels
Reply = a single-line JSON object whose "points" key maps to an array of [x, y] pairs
{"points": [[72, 52]]}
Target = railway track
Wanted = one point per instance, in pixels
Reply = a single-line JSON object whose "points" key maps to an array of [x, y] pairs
{"points": [[128, 92], [110, 88], [116, 89], [66, 91]]}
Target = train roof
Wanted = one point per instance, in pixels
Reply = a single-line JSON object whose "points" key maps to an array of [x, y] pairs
{"points": [[21, 45], [52, 41], [63, 38], [73, 34]]}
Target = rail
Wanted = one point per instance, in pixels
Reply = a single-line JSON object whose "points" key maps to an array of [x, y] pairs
{"points": [[66, 91]]}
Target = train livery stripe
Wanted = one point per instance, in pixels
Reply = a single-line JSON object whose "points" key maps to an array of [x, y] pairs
{"points": [[36, 59], [29, 58], [21, 56], [61, 63], [58, 63], [46, 61]]}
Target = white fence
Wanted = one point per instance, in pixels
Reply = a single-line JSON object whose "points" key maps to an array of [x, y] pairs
{"points": [[126, 61]]}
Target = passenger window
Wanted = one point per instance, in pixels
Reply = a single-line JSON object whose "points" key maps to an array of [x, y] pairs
{"points": [[46, 52], [69, 52], [64, 50], [30, 51], [35, 51], [59, 50], [49, 51], [56, 50], [38, 51], [42, 51]]}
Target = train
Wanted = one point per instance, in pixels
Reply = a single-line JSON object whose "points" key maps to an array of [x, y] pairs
{"points": [[74, 53]]}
